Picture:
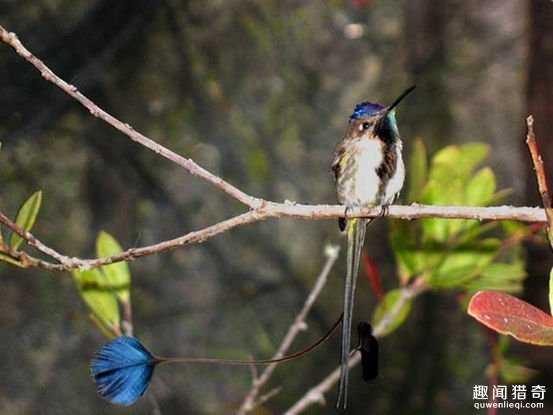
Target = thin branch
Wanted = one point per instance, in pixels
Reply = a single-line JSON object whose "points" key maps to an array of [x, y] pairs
{"points": [[264, 398], [31, 240], [68, 264], [266, 211], [193, 168], [541, 176], [250, 401], [260, 209], [316, 394]]}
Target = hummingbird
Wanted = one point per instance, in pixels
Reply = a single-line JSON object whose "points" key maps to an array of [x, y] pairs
{"points": [[369, 171]]}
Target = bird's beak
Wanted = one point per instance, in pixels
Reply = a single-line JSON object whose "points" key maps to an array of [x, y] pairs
{"points": [[399, 99]]}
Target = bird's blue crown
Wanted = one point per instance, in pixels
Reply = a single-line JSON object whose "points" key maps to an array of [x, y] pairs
{"points": [[365, 109]]}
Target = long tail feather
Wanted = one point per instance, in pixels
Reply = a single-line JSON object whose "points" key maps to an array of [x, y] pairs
{"points": [[356, 236]]}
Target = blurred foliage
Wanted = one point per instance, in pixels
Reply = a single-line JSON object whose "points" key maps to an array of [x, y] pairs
{"points": [[456, 253], [393, 307], [259, 93], [512, 369], [452, 253]]}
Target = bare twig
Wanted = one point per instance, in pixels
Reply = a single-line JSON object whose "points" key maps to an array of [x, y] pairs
{"points": [[193, 168], [260, 209], [541, 176], [32, 241], [264, 398], [298, 325], [316, 393], [68, 264], [267, 211]]}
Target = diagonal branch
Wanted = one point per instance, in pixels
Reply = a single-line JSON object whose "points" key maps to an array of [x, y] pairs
{"points": [[32, 241], [67, 263], [251, 401], [260, 209], [193, 168], [316, 393]]}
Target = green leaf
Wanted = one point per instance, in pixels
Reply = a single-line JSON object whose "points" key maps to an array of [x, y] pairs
{"points": [[449, 175], [551, 291], [117, 275], [481, 188], [464, 263], [392, 310], [455, 253], [26, 217], [454, 165], [418, 170], [469, 156], [500, 277], [514, 228], [473, 229], [404, 245], [99, 296]]}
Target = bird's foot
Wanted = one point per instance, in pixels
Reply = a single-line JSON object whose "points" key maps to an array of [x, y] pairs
{"points": [[385, 209]]}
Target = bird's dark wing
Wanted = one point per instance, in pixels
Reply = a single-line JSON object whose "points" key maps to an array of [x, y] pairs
{"points": [[337, 169], [338, 154], [368, 346]]}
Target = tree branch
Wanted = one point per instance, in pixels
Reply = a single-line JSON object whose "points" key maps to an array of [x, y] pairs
{"points": [[193, 168], [250, 401], [260, 209], [316, 393], [267, 211], [541, 176]]}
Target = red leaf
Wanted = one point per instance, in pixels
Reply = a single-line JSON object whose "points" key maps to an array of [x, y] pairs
{"points": [[361, 3], [373, 275], [509, 315]]}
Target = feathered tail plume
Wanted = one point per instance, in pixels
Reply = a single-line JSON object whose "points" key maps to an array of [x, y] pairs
{"points": [[356, 236]]}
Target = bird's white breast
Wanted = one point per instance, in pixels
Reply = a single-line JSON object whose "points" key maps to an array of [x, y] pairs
{"points": [[367, 182]]}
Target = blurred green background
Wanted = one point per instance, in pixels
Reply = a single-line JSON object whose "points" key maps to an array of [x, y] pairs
{"points": [[258, 92]]}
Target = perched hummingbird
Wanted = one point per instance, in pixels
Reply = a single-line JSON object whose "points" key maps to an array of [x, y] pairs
{"points": [[369, 172]]}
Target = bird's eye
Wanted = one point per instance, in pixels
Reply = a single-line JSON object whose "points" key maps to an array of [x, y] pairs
{"points": [[364, 126]]}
